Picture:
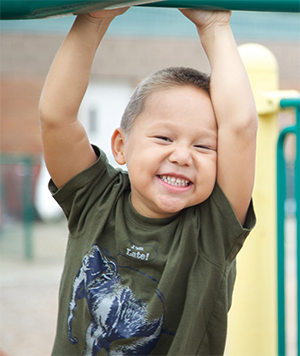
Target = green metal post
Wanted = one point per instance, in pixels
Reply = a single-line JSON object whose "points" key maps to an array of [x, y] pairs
{"points": [[27, 207], [281, 195], [297, 193]]}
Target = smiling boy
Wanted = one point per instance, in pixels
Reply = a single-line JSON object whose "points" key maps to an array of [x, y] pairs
{"points": [[164, 146], [150, 263]]}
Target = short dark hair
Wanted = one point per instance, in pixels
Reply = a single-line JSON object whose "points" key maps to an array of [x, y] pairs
{"points": [[160, 80]]}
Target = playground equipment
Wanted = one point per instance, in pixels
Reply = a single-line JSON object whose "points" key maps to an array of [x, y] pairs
{"points": [[25, 165], [253, 319], [31, 9], [281, 197]]}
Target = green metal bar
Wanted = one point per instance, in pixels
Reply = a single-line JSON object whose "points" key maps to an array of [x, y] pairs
{"points": [[31, 9], [281, 196], [290, 103], [295, 103], [241, 5]]}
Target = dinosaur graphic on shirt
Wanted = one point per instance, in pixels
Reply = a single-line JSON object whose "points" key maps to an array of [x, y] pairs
{"points": [[115, 311]]}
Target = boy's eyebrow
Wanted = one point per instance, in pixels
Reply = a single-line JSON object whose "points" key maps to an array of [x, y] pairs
{"points": [[203, 131]]}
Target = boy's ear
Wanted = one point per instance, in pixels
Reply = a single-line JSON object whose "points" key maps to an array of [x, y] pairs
{"points": [[118, 146]]}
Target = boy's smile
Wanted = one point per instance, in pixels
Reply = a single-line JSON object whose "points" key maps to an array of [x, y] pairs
{"points": [[171, 152], [175, 181]]}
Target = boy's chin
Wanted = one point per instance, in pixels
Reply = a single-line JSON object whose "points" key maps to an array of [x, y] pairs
{"points": [[171, 206]]}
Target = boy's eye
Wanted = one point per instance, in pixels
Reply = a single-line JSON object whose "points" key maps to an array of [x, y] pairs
{"points": [[163, 138], [202, 147]]}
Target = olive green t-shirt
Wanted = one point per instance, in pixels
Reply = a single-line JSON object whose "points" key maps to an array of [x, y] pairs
{"points": [[133, 285]]}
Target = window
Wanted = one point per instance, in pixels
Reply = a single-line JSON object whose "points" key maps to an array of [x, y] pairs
{"points": [[93, 124]]}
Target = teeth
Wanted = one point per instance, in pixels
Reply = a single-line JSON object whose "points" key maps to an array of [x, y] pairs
{"points": [[177, 182]]}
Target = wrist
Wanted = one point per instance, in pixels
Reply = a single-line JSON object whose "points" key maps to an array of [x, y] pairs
{"points": [[215, 38], [218, 43], [213, 30]]}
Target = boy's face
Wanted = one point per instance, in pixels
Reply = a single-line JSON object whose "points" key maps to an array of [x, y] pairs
{"points": [[171, 152]]}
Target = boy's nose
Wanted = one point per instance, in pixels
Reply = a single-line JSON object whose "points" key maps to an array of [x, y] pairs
{"points": [[181, 156]]}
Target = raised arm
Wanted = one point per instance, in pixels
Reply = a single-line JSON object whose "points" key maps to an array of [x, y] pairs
{"points": [[234, 108], [67, 150]]}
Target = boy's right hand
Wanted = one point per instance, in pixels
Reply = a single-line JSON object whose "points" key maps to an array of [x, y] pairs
{"points": [[108, 14]]}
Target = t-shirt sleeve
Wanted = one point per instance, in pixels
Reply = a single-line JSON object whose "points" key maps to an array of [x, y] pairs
{"points": [[88, 189], [222, 228]]}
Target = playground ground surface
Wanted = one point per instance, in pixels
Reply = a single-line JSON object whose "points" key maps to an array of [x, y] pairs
{"points": [[29, 289]]}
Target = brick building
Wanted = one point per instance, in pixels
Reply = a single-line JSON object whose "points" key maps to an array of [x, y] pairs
{"points": [[139, 42]]}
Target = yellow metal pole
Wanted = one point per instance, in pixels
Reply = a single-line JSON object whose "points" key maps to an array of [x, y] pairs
{"points": [[253, 316]]}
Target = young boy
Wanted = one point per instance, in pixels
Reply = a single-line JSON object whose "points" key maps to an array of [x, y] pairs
{"points": [[150, 262]]}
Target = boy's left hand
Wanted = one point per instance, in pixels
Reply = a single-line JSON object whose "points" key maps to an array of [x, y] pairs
{"points": [[207, 18]]}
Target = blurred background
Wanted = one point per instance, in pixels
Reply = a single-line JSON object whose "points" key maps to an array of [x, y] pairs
{"points": [[32, 227]]}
